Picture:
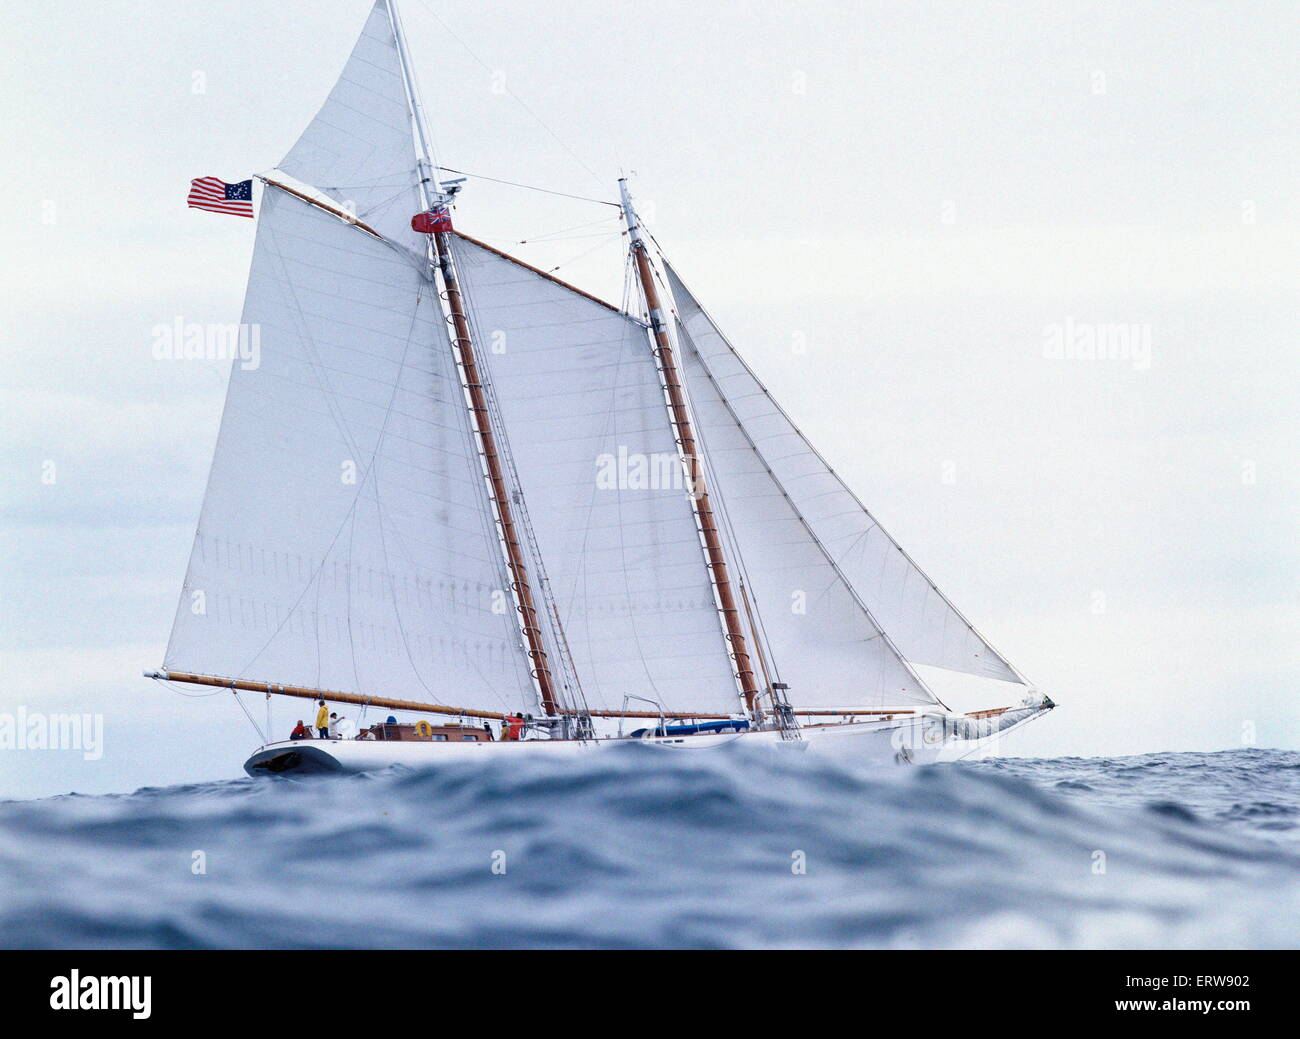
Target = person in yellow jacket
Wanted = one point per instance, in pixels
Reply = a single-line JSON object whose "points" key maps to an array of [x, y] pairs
{"points": [[323, 721]]}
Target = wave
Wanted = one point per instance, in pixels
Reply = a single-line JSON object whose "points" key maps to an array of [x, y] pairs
{"points": [[639, 848]]}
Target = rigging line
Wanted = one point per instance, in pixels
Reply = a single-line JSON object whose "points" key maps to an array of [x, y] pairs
{"points": [[701, 477], [622, 539], [826, 553], [533, 187], [513, 484], [726, 517], [384, 203], [628, 264], [193, 696], [573, 683], [757, 625], [347, 568], [348, 518], [997, 736], [586, 538], [256, 728], [575, 259], [313, 354], [561, 635], [383, 542], [379, 513], [316, 626], [565, 230], [777, 409], [557, 237], [403, 253], [553, 622], [401, 629], [331, 405], [511, 93]]}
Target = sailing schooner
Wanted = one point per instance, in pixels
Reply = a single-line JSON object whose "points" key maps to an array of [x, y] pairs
{"points": [[397, 519]]}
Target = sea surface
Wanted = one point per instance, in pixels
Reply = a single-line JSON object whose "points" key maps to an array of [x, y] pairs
{"points": [[640, 848]]}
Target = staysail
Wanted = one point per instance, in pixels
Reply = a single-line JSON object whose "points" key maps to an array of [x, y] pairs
{"points": [[805, 537], [580, 397], [822, 642], [346, 541]]}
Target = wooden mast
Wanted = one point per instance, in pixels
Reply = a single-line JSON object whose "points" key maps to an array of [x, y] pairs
{"points": [[686, 442], [500, 494], [463, 345]]}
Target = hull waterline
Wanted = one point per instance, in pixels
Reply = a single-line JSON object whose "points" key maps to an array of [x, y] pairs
{"points": [[911, 741]]}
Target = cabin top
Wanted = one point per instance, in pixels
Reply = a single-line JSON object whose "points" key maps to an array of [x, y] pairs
{"points": [[427, 732]]}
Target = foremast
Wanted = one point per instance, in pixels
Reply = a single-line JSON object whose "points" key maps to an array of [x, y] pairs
{"points": [[440, 257], [681, 421]]}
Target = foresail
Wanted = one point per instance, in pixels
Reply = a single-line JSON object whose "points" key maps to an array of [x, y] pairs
{"points": [[924, 626], [822, 642], [346, 542], [584, 410], [359, 149]]}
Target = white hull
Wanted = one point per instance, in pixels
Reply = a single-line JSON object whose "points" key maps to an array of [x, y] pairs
{"points": [[916, 741]]}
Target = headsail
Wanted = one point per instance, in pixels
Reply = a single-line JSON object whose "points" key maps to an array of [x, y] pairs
{"points": [[823, 642], [359, 148], [779, 475], [346, 541], [581, 400]]}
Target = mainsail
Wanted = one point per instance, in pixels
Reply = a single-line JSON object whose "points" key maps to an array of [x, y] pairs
{"points": [[782, 493], [345, 541], [581, 400]]}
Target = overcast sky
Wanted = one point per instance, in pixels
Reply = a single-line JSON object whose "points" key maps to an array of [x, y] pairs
{"points": [[893, 210]]}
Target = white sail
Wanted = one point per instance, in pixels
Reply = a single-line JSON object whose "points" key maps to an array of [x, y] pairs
{"points": [[584, 409], [359, 149], [821, 641], [346, 541], [778, 474]]}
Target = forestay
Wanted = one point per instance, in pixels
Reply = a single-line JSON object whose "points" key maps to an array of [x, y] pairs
{"points": [[775, 474], [584, 409], [346, 541]]}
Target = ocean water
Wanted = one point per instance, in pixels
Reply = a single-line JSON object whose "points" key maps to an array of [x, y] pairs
{"points": [[637, 848]]}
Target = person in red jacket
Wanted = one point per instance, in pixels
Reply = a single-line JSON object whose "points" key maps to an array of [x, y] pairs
{"points": [[511, 727], [300, 732]]}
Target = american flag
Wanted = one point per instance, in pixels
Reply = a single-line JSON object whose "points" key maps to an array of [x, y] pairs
{"points": [[220, 197]]}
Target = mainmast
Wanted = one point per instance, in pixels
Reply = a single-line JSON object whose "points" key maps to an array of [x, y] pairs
{"points": [[462, 343], [681, 420]]}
